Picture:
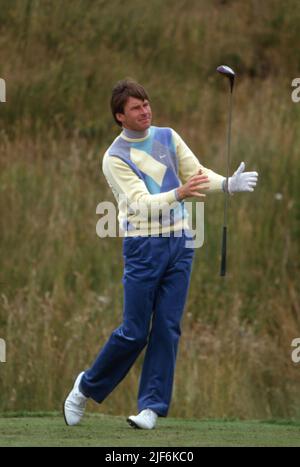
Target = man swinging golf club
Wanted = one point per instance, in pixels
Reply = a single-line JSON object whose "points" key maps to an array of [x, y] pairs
{"points": [[149, 165]]}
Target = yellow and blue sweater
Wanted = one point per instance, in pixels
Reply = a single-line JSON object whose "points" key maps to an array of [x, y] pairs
{"points": [[146, 168]]}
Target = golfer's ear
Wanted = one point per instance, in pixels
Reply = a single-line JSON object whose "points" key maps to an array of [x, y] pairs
{"points": [[120, 117]]}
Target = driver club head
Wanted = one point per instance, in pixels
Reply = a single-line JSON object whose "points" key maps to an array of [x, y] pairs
{"points": [[227, 71]]}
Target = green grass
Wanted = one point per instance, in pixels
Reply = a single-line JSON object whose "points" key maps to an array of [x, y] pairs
{"points": [[49, 429]]}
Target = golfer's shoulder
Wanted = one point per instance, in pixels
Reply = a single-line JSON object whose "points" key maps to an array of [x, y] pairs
{"points": [[117, 146], [112, 161], [165, 134], [161, 130], [167, 130], [117, 151]]}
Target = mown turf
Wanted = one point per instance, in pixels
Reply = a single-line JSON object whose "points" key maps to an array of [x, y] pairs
{"points": [[40, 429]]}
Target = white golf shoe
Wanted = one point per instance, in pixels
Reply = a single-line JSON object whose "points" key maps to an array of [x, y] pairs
{"points": [[146, 419], [74, 405]]}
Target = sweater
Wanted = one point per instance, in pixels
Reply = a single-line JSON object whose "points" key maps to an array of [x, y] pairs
{"points": [[143, 171]]}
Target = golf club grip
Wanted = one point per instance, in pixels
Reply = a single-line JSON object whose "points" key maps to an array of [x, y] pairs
{"points": [[224, 250]]}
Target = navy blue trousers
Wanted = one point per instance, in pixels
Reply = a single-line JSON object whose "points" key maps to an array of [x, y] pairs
{"points": [[156, 281]]}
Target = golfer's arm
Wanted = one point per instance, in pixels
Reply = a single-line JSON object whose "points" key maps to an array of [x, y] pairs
{"points": [[123, 181], [189, 165]]}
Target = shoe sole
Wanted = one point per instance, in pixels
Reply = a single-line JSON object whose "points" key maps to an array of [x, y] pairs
{"points": [[132, 423]]}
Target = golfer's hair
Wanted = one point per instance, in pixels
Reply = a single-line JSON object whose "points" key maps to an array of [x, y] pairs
{"points": [[121, 92]]}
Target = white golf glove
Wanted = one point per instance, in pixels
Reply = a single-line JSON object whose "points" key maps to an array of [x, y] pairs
{"points": [[242, 181]]}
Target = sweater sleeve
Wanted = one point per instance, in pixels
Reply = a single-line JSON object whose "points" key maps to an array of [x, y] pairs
{"points": [[189, 165], [123, 181]]}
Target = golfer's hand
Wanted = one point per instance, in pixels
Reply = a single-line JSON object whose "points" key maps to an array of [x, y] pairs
{"points": [[193, 187], [242, 181]]}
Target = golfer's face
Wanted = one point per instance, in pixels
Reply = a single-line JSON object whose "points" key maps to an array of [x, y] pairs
{"points": [[137, 114]]}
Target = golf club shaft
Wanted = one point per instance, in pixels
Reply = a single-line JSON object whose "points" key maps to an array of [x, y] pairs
{"points": [[224, 235], [223, 252]]}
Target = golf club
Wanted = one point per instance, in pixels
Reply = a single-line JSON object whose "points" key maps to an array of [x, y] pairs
{"points": [[229, 73]]}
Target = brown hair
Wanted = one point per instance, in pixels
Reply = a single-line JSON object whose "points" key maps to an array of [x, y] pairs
{"points": [[121, 92]]}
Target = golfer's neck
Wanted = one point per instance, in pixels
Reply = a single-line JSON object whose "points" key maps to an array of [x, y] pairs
{"points": [[135, 134]]}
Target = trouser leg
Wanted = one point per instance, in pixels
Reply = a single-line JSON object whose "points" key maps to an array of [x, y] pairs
{"points": [[124, 345], [159, 364]]}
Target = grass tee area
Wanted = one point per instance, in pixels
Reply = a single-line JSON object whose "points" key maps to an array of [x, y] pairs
{"points": [[48, 429]]}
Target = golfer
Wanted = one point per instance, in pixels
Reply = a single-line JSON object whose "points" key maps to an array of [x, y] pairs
{"points": [[148, 166]]}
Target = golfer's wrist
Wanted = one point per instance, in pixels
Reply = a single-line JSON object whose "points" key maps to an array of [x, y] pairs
{"points": [[226, 186], [180, 193]]}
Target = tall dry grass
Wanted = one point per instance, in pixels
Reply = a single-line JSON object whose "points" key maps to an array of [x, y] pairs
{"points": [[61, 292]]}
